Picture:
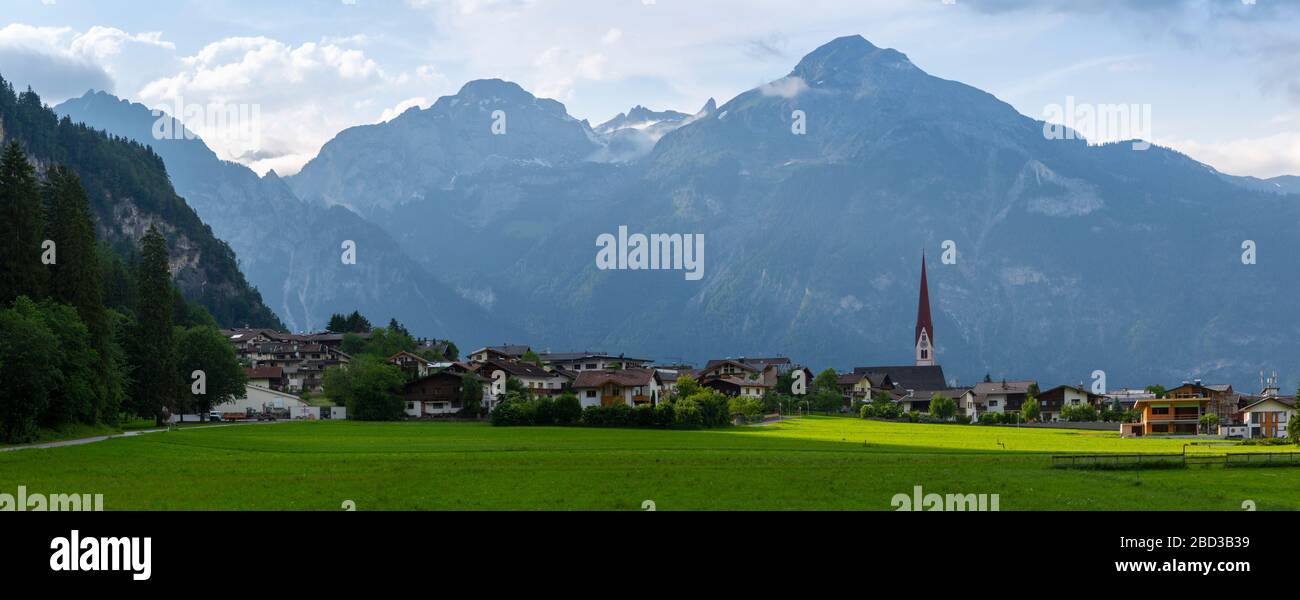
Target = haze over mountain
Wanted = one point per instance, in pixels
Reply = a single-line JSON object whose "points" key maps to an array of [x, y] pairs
{"points": [[292, 250], [1071, 258]]}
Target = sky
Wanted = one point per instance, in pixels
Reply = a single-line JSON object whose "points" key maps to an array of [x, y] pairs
{"points": [[1219, 78]]}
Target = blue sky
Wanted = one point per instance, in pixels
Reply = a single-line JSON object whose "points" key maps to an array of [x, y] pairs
{"points": [[1222, 77]]}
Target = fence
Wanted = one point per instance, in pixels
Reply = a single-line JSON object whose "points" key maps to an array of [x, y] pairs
{"points": [[1175, 461]]}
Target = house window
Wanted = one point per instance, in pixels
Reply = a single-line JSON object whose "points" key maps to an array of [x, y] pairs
{"points": [[1160, 410], [591, 393], [993, 403]]}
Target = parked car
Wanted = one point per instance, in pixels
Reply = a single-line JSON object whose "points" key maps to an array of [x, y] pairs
{"points": [[215, 417]]}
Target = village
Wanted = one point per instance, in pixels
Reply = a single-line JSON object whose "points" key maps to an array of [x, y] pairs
{"points": [[286, 376]]}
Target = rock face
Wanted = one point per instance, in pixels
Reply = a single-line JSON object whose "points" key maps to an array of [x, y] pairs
{"points": [[1069, 258], [292, 250]]}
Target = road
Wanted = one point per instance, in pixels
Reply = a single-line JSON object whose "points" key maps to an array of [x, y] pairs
{"points": [[100, 438]]}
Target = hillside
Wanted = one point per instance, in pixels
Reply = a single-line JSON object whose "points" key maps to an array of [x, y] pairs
{"points": [[129, 190]]}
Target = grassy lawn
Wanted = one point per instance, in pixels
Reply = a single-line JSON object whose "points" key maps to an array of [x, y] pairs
{"points": [[810, 463]]}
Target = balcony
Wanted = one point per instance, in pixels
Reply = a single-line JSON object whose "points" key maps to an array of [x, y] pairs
{"points": [[1168, 418]]}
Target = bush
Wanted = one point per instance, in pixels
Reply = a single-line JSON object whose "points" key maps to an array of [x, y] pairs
{"points": [[568, 409], [615, 415], [507, 414], [1030, 410], [1083, 413], [747, 408], [543, 410], [943, 407], [828, 401], [665, 415], [593, 416], [714, 407], [687, 414], [644, 415]]}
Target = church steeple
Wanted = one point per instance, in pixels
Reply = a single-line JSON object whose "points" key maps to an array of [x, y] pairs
{"points": [[924, 326]]}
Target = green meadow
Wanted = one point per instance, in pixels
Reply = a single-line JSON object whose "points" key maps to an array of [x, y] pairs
{"points": [[813, 463]]}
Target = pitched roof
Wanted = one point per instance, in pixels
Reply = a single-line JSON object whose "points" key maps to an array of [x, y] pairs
{"points": [[516, 369], [1288, 401], [849, 378], [911, 377], [668, 376], [511, 350], [1068, 387], [1002, 387], [621, 377], [713, 364], [264, 372]]}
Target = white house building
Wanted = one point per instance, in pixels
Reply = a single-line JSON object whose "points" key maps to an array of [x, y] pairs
{"points": [[628, 386], [1269, 417]]}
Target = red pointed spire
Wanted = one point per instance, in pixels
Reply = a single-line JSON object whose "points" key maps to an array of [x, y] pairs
{"points": [[923, 309]]}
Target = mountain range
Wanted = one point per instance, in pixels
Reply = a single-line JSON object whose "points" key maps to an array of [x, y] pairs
{"points": [[289, 249], [1070, 257]]}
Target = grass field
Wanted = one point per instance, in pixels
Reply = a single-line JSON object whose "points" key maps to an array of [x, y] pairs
{"points": [[809, 463]]}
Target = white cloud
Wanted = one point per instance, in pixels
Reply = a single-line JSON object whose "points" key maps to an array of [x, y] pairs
{"points": [[558, 71], [391, 113], [305, 94], [612, 36], [1270, 156], [41, 57], [785, 87]]}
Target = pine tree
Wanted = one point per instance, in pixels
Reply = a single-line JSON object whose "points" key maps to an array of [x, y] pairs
{"points": [[21, 228], [152, 357], [75, 275]]}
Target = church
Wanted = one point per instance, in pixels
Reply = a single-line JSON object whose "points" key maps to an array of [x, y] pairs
{"points": [[913, 385]]}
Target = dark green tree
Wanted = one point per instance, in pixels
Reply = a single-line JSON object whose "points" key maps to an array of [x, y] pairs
{"points": [[369, 387], [353, 323], [86, 391], [29, 373], [21, 228], [828, 381], [471, 396], [203, 349], [75, 275], [152, 353], [395, 327]]}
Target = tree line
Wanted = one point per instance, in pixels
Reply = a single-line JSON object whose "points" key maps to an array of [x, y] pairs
{"points": [[86, 337]]}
